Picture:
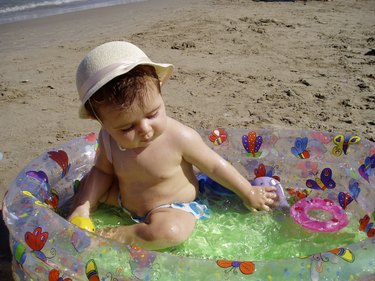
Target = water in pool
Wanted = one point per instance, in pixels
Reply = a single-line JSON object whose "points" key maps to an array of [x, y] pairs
{"points": [[234, 233]]}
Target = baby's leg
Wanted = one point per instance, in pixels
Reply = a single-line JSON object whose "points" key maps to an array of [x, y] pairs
{"points": [[166, 227]]}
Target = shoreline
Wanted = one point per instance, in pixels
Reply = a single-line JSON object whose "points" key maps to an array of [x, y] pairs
{"points": [[22, 11]]}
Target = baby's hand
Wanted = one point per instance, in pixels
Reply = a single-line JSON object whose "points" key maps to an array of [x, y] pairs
{"points": [[260, 198]]}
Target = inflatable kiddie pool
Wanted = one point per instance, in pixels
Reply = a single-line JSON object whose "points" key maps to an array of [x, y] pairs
{"points": [[327, 178]]}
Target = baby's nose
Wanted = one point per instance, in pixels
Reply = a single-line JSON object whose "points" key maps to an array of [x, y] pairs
{"points": [[145, 128]]}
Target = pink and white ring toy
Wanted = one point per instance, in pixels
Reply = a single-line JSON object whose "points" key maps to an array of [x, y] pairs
{"points": [[300, 213]]}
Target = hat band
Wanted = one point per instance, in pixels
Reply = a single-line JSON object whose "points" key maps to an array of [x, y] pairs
{"points": [[120, 67]]}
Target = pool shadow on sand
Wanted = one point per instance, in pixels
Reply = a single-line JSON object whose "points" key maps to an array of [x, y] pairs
{"points": [[5, 254]]}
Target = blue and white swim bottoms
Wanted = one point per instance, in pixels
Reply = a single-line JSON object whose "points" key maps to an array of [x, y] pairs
{"points": [[199, 210]]}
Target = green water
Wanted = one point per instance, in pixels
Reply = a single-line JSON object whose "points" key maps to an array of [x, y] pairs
{"points": [[234, 233]]}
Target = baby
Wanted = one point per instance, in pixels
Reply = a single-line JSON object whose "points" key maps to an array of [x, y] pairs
{"points": [[145, 159]]}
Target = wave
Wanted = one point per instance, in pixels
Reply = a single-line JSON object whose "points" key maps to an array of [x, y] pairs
{"points": [[31, 6]]}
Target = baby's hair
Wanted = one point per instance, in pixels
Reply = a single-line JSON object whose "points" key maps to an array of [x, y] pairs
{"points": [[123, 90]]}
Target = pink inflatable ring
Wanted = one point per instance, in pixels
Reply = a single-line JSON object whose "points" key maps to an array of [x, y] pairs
{"points": [[300, 213]]}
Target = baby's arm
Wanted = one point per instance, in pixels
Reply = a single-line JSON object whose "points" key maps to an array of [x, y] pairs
{"points": [[196, 152], [94, 185]]}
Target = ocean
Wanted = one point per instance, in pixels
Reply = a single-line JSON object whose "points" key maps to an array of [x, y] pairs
{"points": [[18, 10]]}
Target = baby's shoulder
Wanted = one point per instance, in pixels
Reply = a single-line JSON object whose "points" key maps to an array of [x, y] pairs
{"points": [[181, 132]]}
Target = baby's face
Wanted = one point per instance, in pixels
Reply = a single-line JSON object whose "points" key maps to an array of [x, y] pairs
{"points": [[136, 127]]}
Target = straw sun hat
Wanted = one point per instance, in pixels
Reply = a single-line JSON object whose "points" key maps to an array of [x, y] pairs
{"points": [[108, 61]]}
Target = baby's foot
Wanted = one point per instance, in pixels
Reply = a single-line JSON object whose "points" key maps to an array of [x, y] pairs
{"points": [[114, 233]]}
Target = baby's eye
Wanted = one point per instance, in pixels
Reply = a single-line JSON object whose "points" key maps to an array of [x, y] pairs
{"points": [[128, 129], [153, 115]]}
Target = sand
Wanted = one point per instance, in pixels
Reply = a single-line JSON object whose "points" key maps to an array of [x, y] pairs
{"points": [[239, 64]]}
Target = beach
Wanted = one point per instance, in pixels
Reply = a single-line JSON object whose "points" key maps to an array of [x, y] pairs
{"points": [[238, 64]]}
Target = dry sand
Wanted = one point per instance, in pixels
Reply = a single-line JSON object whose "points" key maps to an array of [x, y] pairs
{"points": [[239, 64]]}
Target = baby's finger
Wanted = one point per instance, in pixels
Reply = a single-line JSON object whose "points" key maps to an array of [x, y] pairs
{"points": [[270, 188], [266, 208], [272, 195], [270, 201], [250, 208]]}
